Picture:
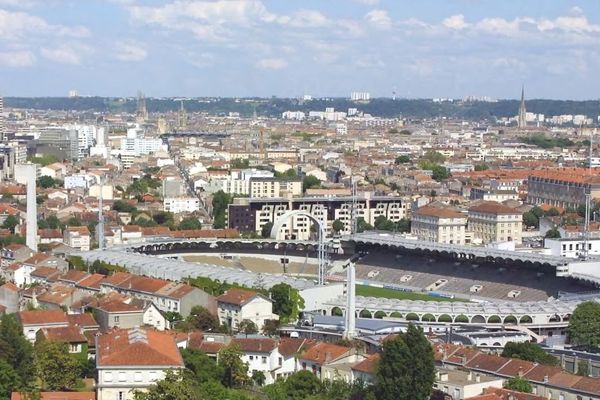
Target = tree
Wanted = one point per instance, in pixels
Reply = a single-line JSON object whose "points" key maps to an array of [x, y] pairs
{"points": [[406, 369], [17, 352], [220, 202], [553, 212], [584, 325], [248, 327], [235, 370], [270, 327], [189, 223], [583, 368], [175, 386], [384, 224], [434, 157], [530, 219], [301, 385], [337, 226], [202, 319], [362, 225], [481, 167], [57, 369], [10, 223], [203, 367], [552, 234], [9, 380], [46, 182], [123, 206], [528, 352], [74, 221], [265, 230], [439, 173], [403, 159], [258, 377], [519, 384], [51, 222], [403, 225], [310, 182], [287, 302]]}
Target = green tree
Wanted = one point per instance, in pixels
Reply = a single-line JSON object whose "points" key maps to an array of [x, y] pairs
{"points": [[9, 380], [584, 325], [439, 173], [528, 352], [51, 222], [583, 368], [202, 319], [175, 386], [434, 157], [362, 225], [265, 230], [287, 302], [553, 212], [17, 352], [406, 369], [270, 327], [235, 370], [57, 369], [530, 219], [10, 223], [247, 327], [402, 159], [337, 226], [189, 224], [519, 384], [310, 182], [552, 234], [203, 367], [403, 225], [301, 385], [220, 202], [123, 206], [481, 167], [258, 377], [46, 182], [384, 224], [74, 221]]}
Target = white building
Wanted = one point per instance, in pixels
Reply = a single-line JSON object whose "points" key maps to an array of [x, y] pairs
{"points": [[295, 115], [77, 237], [79, 181], [236, 305], [494, 222], [360, 96], [439, 224], [134, 359], [181, 204], [572, 247]]}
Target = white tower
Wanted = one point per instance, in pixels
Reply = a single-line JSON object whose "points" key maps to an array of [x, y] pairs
{"points": [[31, 239], [350, 317]]}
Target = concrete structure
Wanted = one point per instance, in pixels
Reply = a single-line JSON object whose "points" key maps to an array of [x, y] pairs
{"points": [[494, 222], [31, 238], [439, 224]]}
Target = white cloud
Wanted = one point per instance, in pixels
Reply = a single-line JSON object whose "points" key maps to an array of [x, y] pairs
{"points": [[131, 51], [19, 24], [22, 58], [64, 54], [379, 18], [272, 63], [455, 22], [367, 2]]}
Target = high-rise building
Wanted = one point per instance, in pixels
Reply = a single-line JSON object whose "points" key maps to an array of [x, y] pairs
{"points": [[522, 122], [360, 96]]}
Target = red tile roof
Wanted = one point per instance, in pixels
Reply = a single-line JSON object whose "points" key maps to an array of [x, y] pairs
{"points": [[368, 365], [43, 317], [492, 207], [440, 212], [237, 296], [324, 352], [67, 334], [253, 345], [58, 396], [84, 320]]}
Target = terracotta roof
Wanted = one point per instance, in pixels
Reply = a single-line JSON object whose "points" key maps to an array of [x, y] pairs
{"points": [[45, 273], [143, 284], [252, 345], [58, 396], [211, 347], [116, 278], [50, 234], [237, 296], [58, 294], [82, 230], [10, 286], [74, 276], [539, 372], [67, 334], [133, 347], [564, 379], [36, 258], [176, 291], [487, 362], [588, 385], [492, 207], [92, 281], [291, 346], [440, 212], [15, 246], [505, 394], [84, 320], [324, 352], [8, 209], [115, 306], [43, 317], [368, 365], [514, 366]]}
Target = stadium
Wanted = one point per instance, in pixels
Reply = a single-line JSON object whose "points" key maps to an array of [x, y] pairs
{"points": [[397, 279]]}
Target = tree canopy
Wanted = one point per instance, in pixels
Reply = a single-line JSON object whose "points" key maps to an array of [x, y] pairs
{"points": [[519, 384], [584, 325], [287, 302], [529, 352]]}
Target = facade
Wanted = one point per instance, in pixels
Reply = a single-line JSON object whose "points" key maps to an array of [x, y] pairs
{"points": [[250, 215], [572, 247], [274, 188], [494, 222], [236, 305], [464, 384], [181, 204], [33, 321], [134, 359], [60, 142], [127, 315], [565, 188], [77, 237], [439, 224], [262, 354]]}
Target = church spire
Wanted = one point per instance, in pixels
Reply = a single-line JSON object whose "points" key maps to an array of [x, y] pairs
{"points": [[522, 121]]}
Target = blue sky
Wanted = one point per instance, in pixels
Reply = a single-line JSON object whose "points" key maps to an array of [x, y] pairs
{"points": [[424, 48]]}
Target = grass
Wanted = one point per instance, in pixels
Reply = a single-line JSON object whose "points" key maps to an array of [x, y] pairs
{"points": [[370, 291]]}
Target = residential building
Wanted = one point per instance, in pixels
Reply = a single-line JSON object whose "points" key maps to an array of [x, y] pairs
{"points": [[494, 222], [274, 187], [77, 237], [320, 354], [133, 359], [57, 396], [464, 384], [33, 321], [439, 224], [261, 355], [236, 305], [181, 204], [565, 188], [128, 313]]}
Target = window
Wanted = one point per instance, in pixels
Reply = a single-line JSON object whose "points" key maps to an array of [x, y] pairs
{"points": [[108, 376], [116, 319], [264, 360], [251, 358], [122, 376], [121, 396]]}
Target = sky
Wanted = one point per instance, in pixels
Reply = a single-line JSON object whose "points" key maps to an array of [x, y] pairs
{"points": [[289, 48]]}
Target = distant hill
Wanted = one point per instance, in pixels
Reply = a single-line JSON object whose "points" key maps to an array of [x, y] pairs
{"points": [[381, 107]]}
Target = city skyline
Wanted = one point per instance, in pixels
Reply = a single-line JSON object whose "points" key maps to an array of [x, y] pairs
{"points": [[243, 48]]}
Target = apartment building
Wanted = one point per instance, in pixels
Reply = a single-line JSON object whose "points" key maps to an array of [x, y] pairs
{"points": [[77, 237], [274, 188], [250, 215], [439, 224], [181, 204], [565, 188], [236, 305], [494, 222]]}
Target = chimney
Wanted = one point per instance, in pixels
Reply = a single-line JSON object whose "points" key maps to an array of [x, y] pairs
{"points": [[520, 373], [546, 378]]}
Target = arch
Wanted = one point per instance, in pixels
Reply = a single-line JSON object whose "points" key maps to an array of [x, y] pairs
{"points": [[566, 317], [510, 319], [554, 318], [478, 319], [428, 318], [461, 318], [285, 217], [483, 344], [396, 314], [496, 344], [337, 312], [494, 319], [444, 318], [365, 314], [380, 315], [411, 317], [526, 319]]}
